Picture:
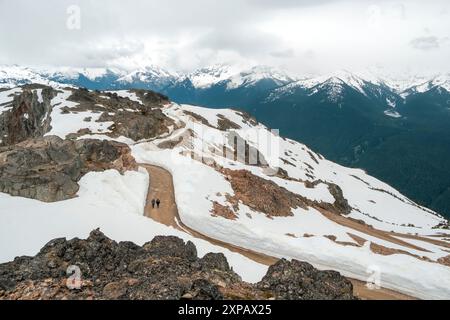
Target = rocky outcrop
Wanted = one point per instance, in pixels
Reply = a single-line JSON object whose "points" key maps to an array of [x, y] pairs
{"points": [[142, 124], [295, 280], [49, 168], [165, 268], [263, 195], [131, 119], [29, 116], [340, 205]]}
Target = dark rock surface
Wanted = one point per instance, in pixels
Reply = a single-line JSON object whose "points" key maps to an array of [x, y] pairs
{"points": [[131, 119], [49, 168], [29, 116], [165, 268], [295, 280]]}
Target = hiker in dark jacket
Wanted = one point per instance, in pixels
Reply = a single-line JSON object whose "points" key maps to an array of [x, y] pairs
{"points": [[158, 202], [153, 203]]}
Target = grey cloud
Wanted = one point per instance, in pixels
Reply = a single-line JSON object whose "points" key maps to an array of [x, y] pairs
{"points": [[425, 43], [184, 33], [288, 53], [243, 40]]}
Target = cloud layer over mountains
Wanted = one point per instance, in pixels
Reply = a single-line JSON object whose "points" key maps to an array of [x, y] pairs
{"points": [[305, 36]]}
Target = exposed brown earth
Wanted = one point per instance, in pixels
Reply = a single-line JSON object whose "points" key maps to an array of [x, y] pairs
{"points": [[385, 251], [224, 123], [360, 241], [263, 195], [444, 260], [361, 290], [223, 211]]}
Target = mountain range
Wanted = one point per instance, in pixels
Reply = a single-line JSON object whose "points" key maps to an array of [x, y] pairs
{"points": [[397, 128]]}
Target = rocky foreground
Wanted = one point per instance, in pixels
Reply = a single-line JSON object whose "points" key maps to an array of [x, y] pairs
{"points": [[165, 268]]}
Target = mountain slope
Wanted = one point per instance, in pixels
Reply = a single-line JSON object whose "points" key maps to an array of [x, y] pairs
{"points": [[236, 182]]}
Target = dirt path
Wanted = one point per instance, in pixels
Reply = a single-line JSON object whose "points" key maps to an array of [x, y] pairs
{"points": [[161, 187]]}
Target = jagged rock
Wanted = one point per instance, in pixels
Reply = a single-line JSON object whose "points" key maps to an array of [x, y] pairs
{"points": [[130, 119], [204, 290], [215, 261], [144, 124], [340, 204], [301, 281], [49, 168], [263, 195], [161, 247], [29, 116], [165, 268]]}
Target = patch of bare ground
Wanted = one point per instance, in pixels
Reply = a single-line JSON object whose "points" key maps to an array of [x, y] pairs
{"points": [[198, 117], [263, 195], [444, 260], [360, 241], [220, 210], [247, 118], [287, 162], [361, 290], [226, 124], [344, 243], [311, 155], [273, 200], [385, 251]]}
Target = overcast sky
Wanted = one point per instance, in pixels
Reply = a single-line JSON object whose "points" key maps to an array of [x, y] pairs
{"points": [[298, 35]]}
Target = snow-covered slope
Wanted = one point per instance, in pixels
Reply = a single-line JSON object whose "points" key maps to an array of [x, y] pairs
{"points": [[311, 209]]}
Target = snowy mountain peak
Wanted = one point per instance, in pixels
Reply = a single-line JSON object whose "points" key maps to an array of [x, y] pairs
{"points": [[258, 73], [235, 77], [149, 73], [206, 77], [439, 81]]}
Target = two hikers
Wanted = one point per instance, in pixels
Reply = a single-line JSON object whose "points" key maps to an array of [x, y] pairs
{"points": [[156, 202]]}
